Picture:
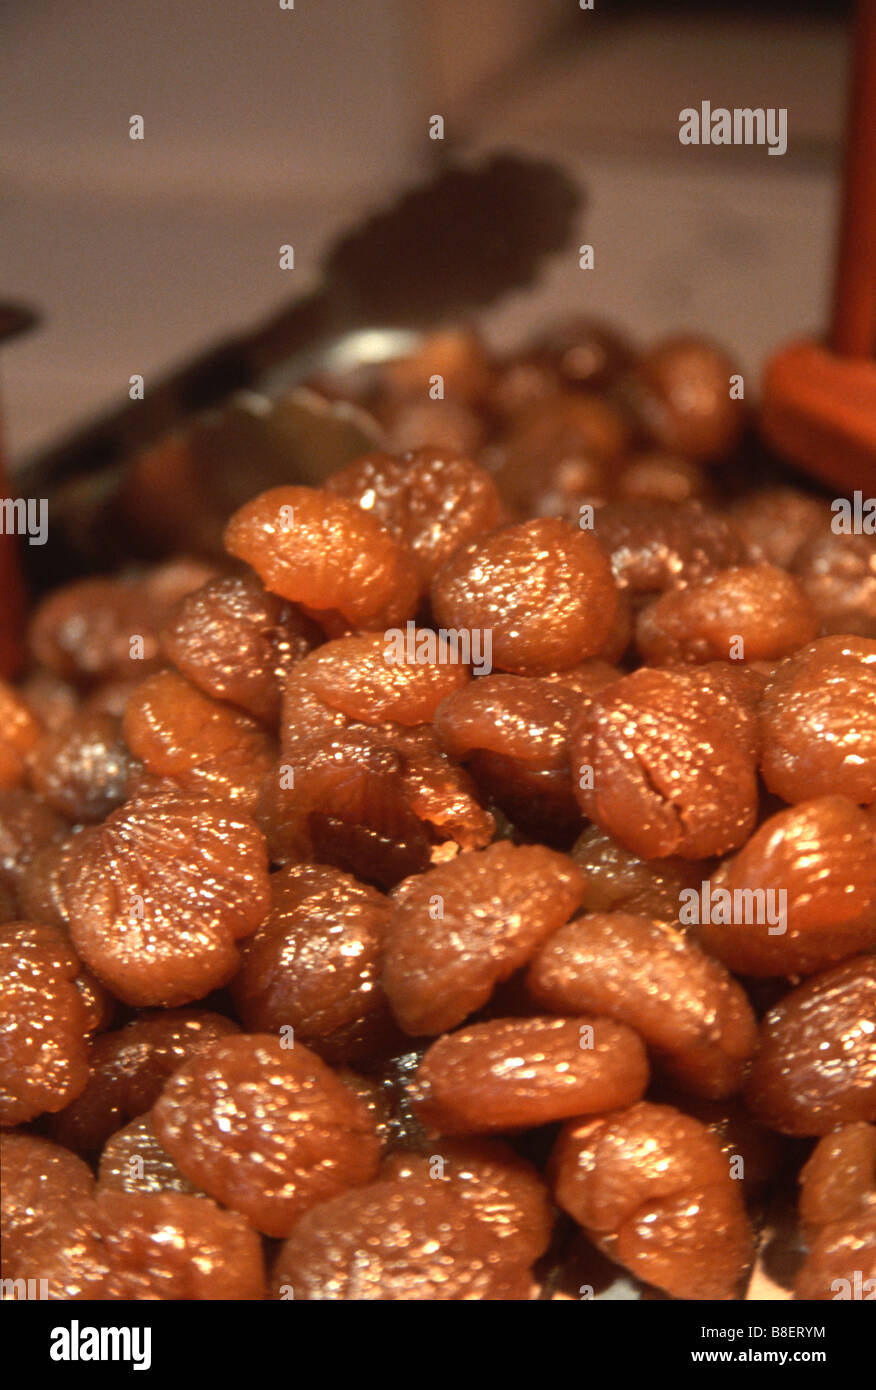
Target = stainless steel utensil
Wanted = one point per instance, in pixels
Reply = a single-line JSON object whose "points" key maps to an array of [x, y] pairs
{"points": [[445, 249]]}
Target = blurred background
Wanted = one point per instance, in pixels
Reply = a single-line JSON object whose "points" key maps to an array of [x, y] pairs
{"points": [[266, 126]]}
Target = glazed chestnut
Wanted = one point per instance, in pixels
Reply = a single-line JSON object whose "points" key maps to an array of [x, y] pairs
{"points": [[364, 889]]}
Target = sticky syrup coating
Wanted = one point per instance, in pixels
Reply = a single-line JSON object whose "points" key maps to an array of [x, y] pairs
{"points": [[459, 929], [521, 717], [569, 486], [683, 1256], [820, 855], [324, 552], [100, 629], [306, 720], [127, 1069], [664, 768], [818, 717], [40, 1180], [362, 678], [267, 1130], [761, 1151], [27, 825], [542, 589], [331, 802], [616, 646], [236, 642], [431, 499], [43, 1020], [538, 802], [516, 1073], [385, 1092], [20, 731], [398, 1240], [160, 892], [838, 575], [344, 803], [204, 746], [681, 389], [661, 477], [314, 965], [99, 1005], [815, 1065], [440, 793], [617, 879], [134, 1161], [598, 1174], [653, 1190], [375, 1093], [379, 802], [82, 769], [573, 423], [839, 1174], [657, 546], [503, 1189], [582, 679], [122, 1246], [512, 733], [842, 1261], [40, 890], [739, 689], [695, 1019], [774, 522], [754, 612], [556, 448], [83, 632]]}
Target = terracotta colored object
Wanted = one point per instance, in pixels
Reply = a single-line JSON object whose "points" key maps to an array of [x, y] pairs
{"points": [[820, 410], [819, 404]]}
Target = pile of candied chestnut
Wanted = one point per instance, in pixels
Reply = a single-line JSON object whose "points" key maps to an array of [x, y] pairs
{"points": [[339, 965]]}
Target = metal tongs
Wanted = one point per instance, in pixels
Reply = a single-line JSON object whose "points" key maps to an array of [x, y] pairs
{"points": [[450, 246]]}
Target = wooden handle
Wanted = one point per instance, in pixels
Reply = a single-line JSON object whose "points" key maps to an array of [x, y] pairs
{"points": [[854, 305], [820, 410]]}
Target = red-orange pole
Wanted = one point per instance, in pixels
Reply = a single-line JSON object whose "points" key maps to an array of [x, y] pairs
{"points": [[854, 305]]}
